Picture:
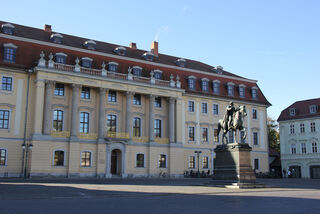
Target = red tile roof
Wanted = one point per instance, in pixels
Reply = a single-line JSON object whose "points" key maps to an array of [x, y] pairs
{"points": [[27, 56], [302, 110]]}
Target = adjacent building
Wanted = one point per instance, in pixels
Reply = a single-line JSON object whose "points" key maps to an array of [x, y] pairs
{"points": [[72, 107], [300, 138]]}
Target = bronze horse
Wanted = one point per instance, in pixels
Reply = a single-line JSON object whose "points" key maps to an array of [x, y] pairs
{"points": [[237, 124]]}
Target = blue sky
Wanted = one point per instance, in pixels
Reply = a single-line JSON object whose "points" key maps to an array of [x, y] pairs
{"points": [[276, 42]]}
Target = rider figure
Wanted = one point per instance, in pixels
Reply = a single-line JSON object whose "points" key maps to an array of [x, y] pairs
{"points": [[228, 116]]}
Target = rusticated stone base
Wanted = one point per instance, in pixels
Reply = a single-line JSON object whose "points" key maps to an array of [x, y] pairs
{"points": [[233, 162]]}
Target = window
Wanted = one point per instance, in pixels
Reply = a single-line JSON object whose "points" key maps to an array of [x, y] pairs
{"points": [[190, 106], [58, 158], [204, 85], [256, 164], [215, 109], [85, 159], [136, 127], [254, 114], [255, 138], [112, 96], [293, 148], [157, 128], [205, 162], [59, 89], [292, 112], [192, 161], [6, 83], [86, 62], [241, 91], [9, 54], [7, 28], [56, 38], [162, 161], [230, 88], [303, 148], [242, 140], [90, 44], [191, 83], [84, 122], [204, 108], [314, 147], [148, 56], [215, 136], [3, 157], [313, 127], [111, 123], [181, 62], [302, 130], [58, 120], [204, 134], [137, 99], [216, 87], [85, 93], [231, 139], [120, 51], [112, 66], [254, 93], [291, 129], [313, 109], [157, 102], [136, 70], [140, 160], [191, 133], [157, 74], [61, 58], [4, 119]]}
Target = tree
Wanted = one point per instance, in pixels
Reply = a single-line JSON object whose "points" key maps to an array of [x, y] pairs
{"points": [[273, 134]]}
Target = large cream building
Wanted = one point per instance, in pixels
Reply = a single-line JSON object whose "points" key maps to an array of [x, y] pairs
{"points": [[75, 107]]}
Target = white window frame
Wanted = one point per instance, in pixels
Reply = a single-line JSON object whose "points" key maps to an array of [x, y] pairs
{"points": [[242, 88], [205, 156], [9, 120], [291, 129], [58, 109], [90, 158], [258, 143], [313, 109], [302, 128], [89, 122], [6, 160], [215, 104], [254, 109], [303, 147], [213, 84], [12, 86], [207, 108], [117, 116], [314, 147], [161, 133], [292, 111], [313, 127], [194, 134], [230, 85], [202, 135], [141, 125], [144, 160], [195, 162], [194, 106], [293, 147]]}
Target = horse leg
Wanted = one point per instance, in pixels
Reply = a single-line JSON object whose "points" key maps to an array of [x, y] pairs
{"points": [[235, 135], [245, 133]]}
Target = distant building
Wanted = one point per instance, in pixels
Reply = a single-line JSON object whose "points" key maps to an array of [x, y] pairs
{"points": [[300, 138], [102, 110]]}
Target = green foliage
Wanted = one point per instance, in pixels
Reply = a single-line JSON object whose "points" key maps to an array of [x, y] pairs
{"points": [[273, 134]]}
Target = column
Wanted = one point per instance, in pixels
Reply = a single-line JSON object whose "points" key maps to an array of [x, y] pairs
{"points": [[74, 110], [151, 118], [171, 120], [47, 107], [38, 117], [102, 116], [129, 96]]}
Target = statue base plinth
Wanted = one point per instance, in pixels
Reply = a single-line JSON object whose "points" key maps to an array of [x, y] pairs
{"points": [[233, 162]]}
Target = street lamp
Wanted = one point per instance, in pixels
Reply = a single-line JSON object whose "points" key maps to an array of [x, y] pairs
{"points": [[25, 151], [198, 154]]}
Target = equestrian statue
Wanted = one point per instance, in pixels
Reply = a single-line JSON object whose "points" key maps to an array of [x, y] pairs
{"points": [[232, 121]]}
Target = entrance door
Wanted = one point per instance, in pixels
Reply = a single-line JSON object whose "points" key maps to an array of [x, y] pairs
{"points": [[295, 172], [315, 171], [116, 162]]}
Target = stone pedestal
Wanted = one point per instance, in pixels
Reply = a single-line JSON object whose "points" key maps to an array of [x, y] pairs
{"points": [[233, 163]]}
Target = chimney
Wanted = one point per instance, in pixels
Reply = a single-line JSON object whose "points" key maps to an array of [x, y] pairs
{"points": [[47, 28], [133, 45], [154, 48]]}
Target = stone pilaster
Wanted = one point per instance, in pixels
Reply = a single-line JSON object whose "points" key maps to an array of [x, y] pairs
{"points": [[102, 116], [151, 117], [39, 103], [129, 96], [47, 120], [171, 120], [74, 110]]}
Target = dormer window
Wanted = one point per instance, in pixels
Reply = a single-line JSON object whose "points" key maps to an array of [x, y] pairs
{"points": [[61, 58], [113, 66], [136, 70], [204, 84], [192, 82], [181, 63], [313, 109], [230, 87], [216, 86], [148, 56], [7, 28], [242, 90], [254, 91], [218, 69], [90, 44], [86, 62], [121, 51], [157, 74], [9, 52], [292, 111], [56, 38]]}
